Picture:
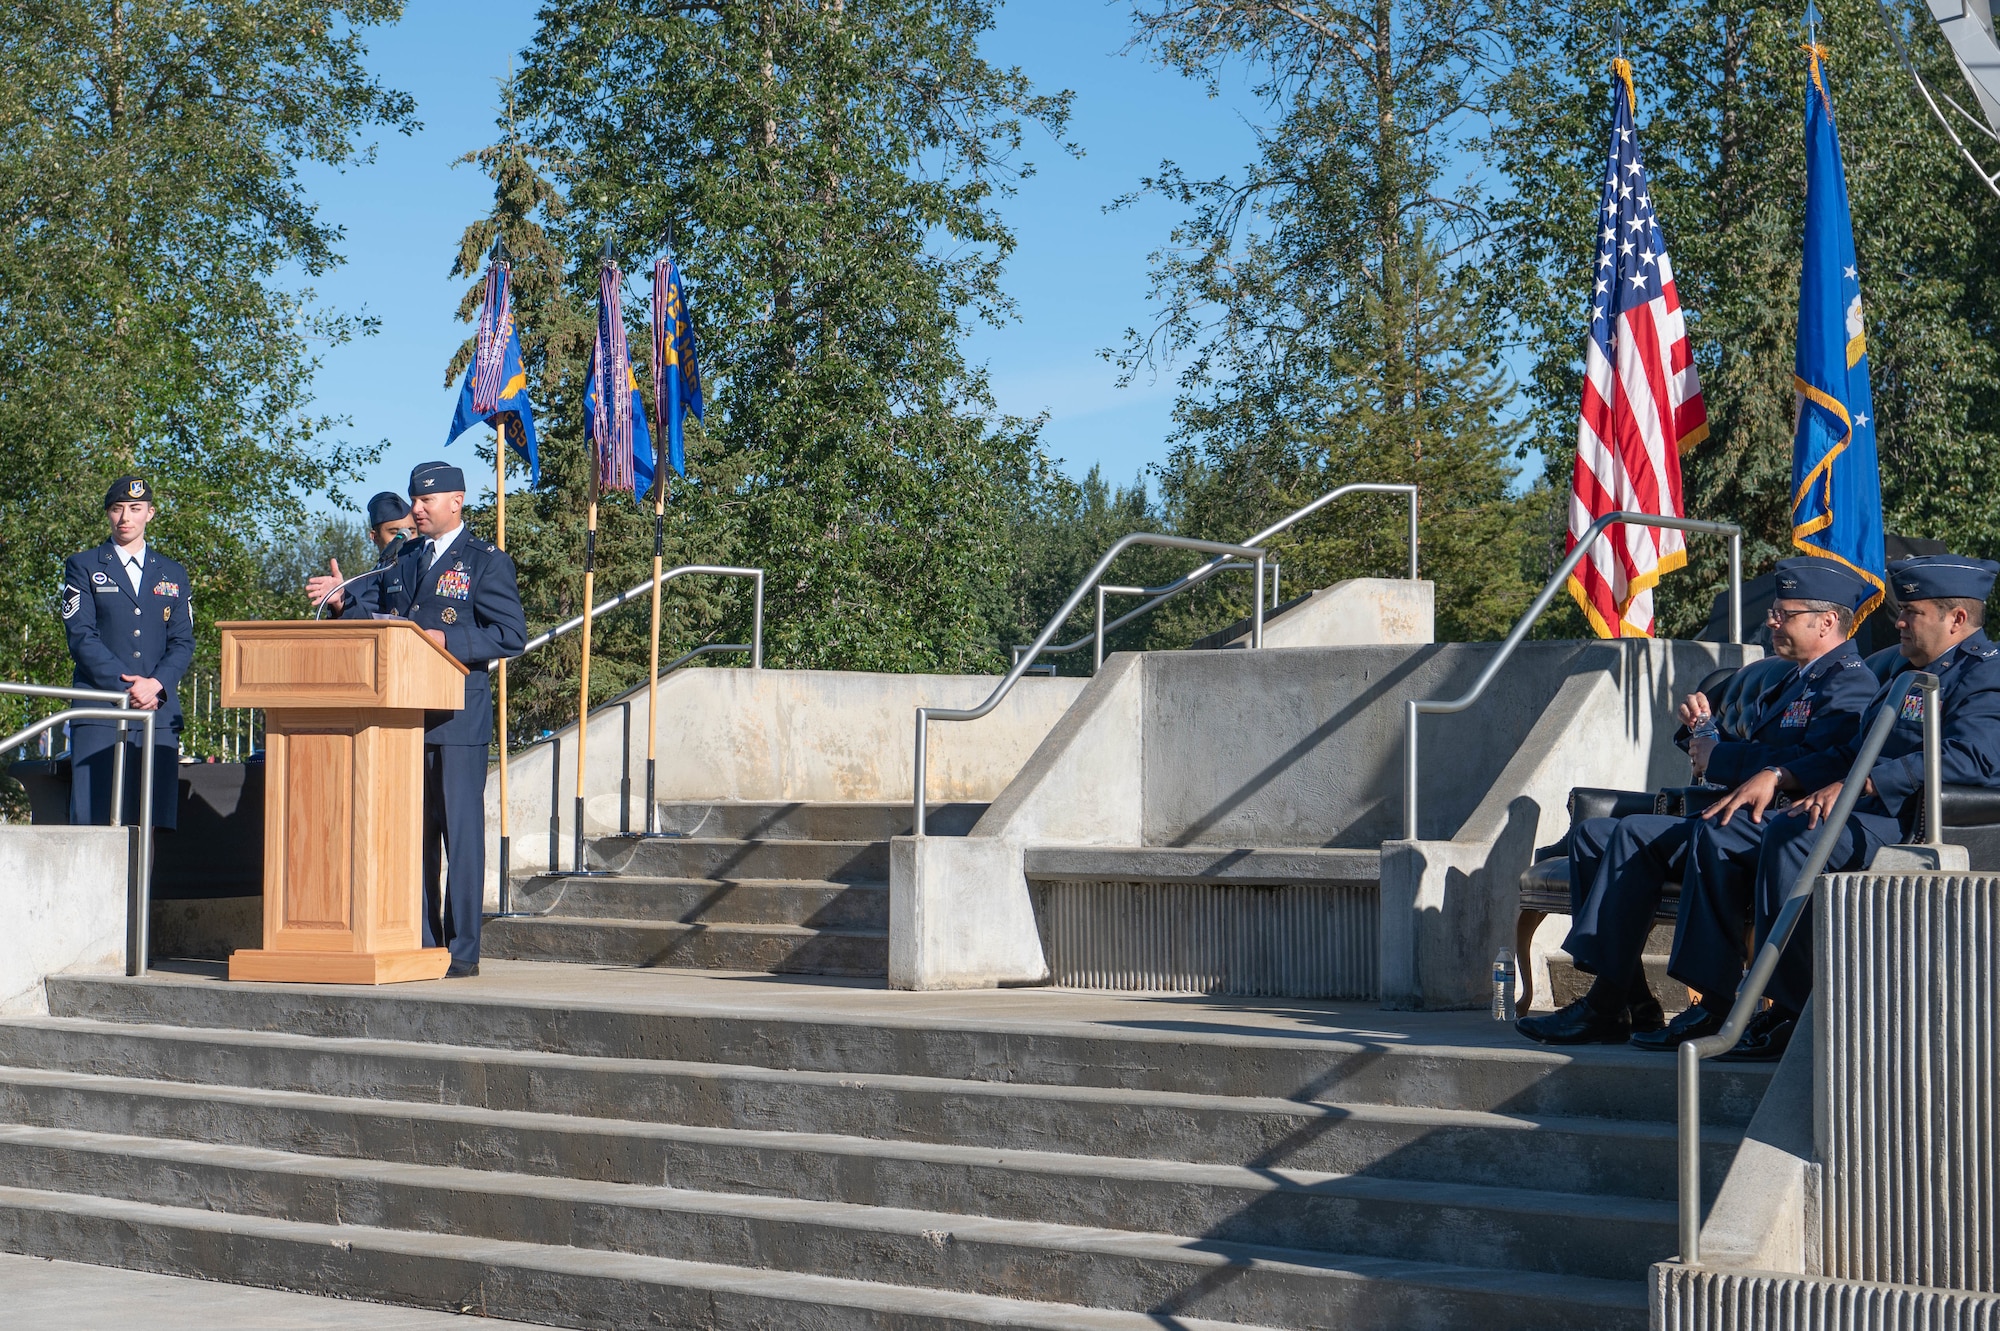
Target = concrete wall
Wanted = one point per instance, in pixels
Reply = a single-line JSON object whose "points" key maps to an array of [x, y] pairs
{"points": [[1355, 613], [1303, 747], [1449, 901], [62, 908], [734, 734]]}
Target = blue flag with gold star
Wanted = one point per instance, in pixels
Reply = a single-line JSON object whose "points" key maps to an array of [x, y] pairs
{"points": [[1836, 483]]}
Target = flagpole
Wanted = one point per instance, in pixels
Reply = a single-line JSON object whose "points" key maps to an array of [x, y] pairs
{"points": [[653, 669], [500, 539], [583, 692]]}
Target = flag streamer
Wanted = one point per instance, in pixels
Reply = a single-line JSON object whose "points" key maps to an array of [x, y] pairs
{"points": [[496, 383], [614, 414]]}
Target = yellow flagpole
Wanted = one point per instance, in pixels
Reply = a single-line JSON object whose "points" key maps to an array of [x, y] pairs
{"points": [[583, 692], [653, 679], [500, 539]]}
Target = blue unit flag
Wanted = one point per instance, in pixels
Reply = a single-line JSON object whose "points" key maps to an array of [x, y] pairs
{"points": [[1836, 483], [676, 371], [496, 383]]}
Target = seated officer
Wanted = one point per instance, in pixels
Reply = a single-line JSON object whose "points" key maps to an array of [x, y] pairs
{"points": [[462, 591], [1736, 863], [128, 612], [1620, 867]]}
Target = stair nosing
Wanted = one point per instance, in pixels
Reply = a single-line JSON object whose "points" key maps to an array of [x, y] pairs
{"points": [[1638, 1130]]}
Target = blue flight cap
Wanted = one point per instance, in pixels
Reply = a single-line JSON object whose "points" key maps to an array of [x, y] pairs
{"points": [[387, 507], [1930, 576], [433, 478], [1809, 578]]}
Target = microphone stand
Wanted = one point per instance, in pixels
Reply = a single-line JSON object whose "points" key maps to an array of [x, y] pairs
{"points": [[394, 551]]}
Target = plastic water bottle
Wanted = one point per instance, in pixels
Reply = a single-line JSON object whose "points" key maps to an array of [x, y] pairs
{"points": [[1503, 985]]}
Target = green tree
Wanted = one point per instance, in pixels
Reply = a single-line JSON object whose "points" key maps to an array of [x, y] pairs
{"points": [[1324, 304], [151, 219], [1721, 92], [828, 173]]}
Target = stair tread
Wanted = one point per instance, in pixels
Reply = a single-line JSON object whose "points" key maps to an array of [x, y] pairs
{"points": [[1330, 1111], [763, 1283], [863, 1217], [748, 880], [1260, 1179], [687, 926]]}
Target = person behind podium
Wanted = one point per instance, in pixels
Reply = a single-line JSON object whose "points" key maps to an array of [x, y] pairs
{"points": [[461, 591], [128, 612], [389, 522]]}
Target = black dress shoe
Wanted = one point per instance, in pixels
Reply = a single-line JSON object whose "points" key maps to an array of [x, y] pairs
{"points": [[1579, 1023], [461, 970], [1765, 1038], [1695, 1023], [1646, 1014]]}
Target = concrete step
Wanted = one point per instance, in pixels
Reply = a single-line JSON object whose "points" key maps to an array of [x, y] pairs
{"points": [[1178, 1284], [776, 948], [1512, 1077], [553, 1285], [800, 903], [1567, 983], [809, 822], [717, 857], [1488, 1228], [582, 1118]]}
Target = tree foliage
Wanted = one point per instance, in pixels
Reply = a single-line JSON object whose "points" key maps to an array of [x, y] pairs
{"points": [[1322, 305], [1721, 89], [151, 213]]}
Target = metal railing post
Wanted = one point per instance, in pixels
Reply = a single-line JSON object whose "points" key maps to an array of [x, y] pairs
{"points": [[555, 803], [1413, 533], [139, 892], [1257, 609], [1933, 760], [1751, 992], [1441, 707], [922, 770], [1097, 634], [118, 768], [625, 770], [757, 624]]}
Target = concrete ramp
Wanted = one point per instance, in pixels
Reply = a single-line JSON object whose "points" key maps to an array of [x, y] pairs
{"points": [[1229, 823]]}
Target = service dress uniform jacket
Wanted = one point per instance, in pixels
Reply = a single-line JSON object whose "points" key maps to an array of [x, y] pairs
{"points": [[470, 595], [1619, 868], [114, 631], [1748, 868]]}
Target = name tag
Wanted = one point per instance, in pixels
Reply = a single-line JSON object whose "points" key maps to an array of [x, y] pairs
{"points": [[1797, 714]]}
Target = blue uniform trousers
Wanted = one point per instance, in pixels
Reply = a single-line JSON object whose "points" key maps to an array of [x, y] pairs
{"points": [[93, 747], [1741, 874], [1619, 870], [454, 825]]}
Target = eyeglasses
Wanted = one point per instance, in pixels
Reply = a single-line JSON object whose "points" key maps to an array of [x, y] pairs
{"points": [[1775, 617]]}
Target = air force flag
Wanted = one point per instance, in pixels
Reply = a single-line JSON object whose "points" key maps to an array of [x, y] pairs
{"points": [[1836, 485]]}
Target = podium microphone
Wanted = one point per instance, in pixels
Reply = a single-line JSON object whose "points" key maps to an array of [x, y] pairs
{"points": [[386, 561]]}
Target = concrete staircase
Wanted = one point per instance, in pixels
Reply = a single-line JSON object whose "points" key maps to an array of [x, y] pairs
{"points": [[789, 888], [603, 1148]]}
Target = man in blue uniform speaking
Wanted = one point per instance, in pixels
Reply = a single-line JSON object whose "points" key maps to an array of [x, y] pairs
{"points": [[128, 612], [461, 590]]}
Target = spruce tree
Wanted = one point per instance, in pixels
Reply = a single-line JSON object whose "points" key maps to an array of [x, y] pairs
{"points": [[1721, 93], [1322, 309], [826, 173]]}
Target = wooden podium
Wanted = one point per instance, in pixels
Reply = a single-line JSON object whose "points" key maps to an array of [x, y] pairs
{"points": [[344, 704]]}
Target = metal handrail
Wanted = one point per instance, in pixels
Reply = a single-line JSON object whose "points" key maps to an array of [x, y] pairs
{"points": [[1095, 635], [719, 570], [1751, 992], [1161, 595], [138, 883], [122, 701], [1022, 661], [1438, 707]]}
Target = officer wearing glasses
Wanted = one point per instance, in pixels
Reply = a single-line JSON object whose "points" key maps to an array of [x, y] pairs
{"points": [[1619, 868]]}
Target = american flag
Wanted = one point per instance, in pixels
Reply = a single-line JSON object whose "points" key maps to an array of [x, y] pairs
{"points": [[1642, 404]]}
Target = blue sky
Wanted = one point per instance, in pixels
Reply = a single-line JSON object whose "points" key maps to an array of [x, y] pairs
{"points": [[1078, 274]]}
